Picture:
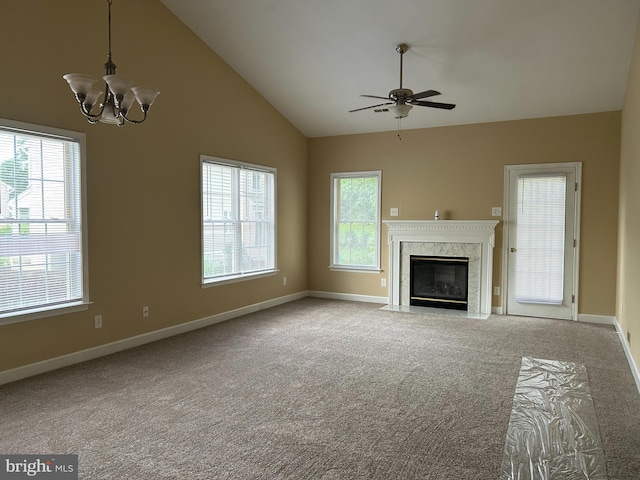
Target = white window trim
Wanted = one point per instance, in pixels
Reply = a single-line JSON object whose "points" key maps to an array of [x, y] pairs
{"points": [[67, 307], [44, 312], [332, 253], [238, 278], [235, 278]]}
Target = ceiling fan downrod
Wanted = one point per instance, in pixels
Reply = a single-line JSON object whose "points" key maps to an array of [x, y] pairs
{"points": [[401, 49]]}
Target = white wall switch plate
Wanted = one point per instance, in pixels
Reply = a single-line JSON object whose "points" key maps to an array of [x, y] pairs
{"points": [[394, 212]]}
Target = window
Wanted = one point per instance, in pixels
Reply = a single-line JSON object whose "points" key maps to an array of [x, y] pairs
{"points": [[42, 227], [355, 226], [238, 220]]}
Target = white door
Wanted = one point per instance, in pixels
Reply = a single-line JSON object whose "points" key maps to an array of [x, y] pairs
{"points": [[542, 214]]}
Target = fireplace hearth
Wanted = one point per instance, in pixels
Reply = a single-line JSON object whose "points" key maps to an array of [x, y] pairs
{"points": [[439, 282]]}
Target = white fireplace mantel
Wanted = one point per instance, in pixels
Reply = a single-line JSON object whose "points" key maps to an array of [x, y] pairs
{"points": [[479, 232]]}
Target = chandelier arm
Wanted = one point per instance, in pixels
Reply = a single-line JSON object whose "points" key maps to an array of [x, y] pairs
{"points": [[107, 97], [124, 117], [94, 117]]}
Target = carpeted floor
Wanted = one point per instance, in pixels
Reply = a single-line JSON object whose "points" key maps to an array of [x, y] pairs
{"points": [[316, 389]]}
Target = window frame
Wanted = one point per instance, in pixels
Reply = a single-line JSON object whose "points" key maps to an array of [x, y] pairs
{"points": [[334, 265], [242, 276], [61, 308]]}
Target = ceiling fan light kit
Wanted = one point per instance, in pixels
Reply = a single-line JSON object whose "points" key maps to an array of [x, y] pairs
{"points": [[399, 111], [119, 94], [402, 100]]}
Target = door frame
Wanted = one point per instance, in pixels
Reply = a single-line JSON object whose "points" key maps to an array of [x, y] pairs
{"points": [[576, 233]]}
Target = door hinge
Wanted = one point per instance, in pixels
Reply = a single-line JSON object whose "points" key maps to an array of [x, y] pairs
{"points": [[573, 299], [574, 243], [576, 187]]}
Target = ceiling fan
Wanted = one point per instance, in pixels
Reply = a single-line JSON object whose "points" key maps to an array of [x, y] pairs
{"points": [[402, 100]]}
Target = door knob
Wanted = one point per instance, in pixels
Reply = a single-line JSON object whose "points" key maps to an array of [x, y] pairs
{"points": [[512, 249]]}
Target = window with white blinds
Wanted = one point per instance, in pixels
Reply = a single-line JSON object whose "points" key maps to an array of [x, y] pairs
{"points": [[541, 239], [238, 219], [42, 233]]}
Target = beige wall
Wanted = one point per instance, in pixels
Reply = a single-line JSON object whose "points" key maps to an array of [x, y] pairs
{"points": [[143, 181], [628, 300], [460, 171]]}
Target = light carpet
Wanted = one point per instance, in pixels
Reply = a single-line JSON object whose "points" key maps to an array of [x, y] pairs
{"points": [[316, 389]]}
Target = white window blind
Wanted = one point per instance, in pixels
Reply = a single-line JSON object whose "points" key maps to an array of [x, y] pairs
{"points": [[41, 228], [355, 229], [540, 242], [238, 219]]}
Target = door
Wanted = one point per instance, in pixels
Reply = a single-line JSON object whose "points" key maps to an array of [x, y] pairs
{"points": [[541, 239]]}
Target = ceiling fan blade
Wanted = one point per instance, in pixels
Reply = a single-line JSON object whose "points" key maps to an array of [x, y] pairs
{"points": [[372, 106], [375, 96], [444, 106], [425, 94]]}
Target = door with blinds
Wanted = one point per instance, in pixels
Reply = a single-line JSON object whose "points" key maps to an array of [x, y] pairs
{"points": [[542, 214]]}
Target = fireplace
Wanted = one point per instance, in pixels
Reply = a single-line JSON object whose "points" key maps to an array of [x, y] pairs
{"points": [[439, 282], [471, 239]]}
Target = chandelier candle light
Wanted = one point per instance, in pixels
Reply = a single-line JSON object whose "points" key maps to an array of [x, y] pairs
{"points": [[118, 93]]}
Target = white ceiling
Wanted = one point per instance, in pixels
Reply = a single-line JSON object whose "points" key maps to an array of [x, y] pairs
{"points": [[496, 59]]}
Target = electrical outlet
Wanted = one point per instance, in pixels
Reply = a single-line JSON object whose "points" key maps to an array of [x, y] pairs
{"points": [[97, 321], [496, 211], [393, 212], [145, 312], [383, 282]]}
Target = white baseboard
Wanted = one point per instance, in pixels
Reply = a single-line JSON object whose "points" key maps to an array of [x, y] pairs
{"points": [[349, 296], [601, 319], [609, 320], [496, 310], [627, 352], [37, 368]]}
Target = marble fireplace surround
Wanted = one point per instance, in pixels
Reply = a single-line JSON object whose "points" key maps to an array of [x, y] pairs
{"points": [[450, 238]]}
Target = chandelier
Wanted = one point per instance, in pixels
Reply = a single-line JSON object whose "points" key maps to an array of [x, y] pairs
{"points": [[119, 94]]}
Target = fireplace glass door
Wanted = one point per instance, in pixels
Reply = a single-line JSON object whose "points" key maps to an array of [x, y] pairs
{"points": [[439, 282]]}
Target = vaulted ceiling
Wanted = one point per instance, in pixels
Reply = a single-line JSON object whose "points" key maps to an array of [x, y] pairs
{"points": [[495, 59]]}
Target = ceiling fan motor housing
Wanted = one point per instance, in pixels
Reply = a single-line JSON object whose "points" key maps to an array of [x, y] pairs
{"points": [[400, 94]]}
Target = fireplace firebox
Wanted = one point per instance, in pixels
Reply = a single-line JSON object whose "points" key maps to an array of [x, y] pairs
{"points": [[439, 282]]}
